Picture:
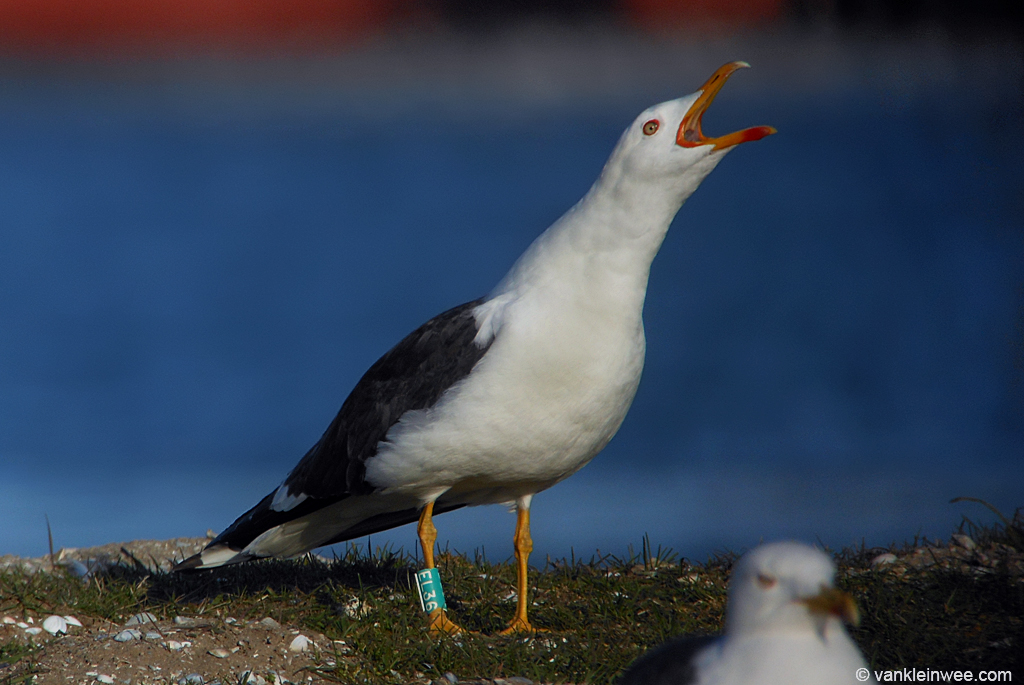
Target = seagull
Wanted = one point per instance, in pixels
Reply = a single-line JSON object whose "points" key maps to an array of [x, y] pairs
{"points": [[500, 398], [783, 624]]}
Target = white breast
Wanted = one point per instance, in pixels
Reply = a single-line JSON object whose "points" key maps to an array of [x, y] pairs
{"points": [[548, 396]]}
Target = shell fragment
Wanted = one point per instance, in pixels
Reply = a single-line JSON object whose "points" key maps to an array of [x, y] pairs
{"points": [[128, 635], [139, 619], [55, 624], [301, 643]]}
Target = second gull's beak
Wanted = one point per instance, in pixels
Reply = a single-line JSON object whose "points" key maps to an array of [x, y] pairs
{"points": [[833, 602]]}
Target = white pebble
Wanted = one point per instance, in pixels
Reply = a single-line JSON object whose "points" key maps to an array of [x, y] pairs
{"points": [[882, 559], [104, 678], [55, 624], [76, 568], [128, 635], [21, 624], [184, 621], [139, 619], [191, 679], [965, 541], [10, 621], [220, 653], [33, 631], [72, 621], [300, 644], [153, 636], [270, 624]]}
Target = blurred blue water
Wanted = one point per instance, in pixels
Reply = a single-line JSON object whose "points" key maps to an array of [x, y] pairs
{"points": [[834, 322]]}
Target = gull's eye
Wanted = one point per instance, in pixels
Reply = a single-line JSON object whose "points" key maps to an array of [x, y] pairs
{"points": [[651, 127], [766, 581]]}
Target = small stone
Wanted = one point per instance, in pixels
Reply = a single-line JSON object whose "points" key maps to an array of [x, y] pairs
{"points": [[354, 608], [450, 677], [965, 541], [184, 621], [72, 621], [76, 568], [55, 624], [153, 636], [301, 643], [139, 619], [174, 645], [519, 680], [105, 679], [9, 621], [883, 559], [33, 630], [191, 679], [128, 635], [270, 624], [219, 653]]}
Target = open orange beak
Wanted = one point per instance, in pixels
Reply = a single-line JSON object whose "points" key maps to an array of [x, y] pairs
{"points": [[833, 602], [690, 135]]}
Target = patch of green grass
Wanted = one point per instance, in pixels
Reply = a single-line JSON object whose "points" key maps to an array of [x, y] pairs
{"points": [[600, 614]]}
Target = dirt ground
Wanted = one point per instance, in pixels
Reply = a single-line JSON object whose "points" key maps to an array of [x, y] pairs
{"points": [[183, 649]]}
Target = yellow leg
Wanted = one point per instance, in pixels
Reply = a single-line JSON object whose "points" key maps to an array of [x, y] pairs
{"points": [[524, 545], [437, 619]]}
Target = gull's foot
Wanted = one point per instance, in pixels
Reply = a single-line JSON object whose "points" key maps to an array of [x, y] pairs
{"points": [[521, 625], [440, 624]]}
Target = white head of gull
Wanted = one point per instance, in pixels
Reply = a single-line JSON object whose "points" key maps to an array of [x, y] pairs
{"points": [[784, 624], [500, 398]]}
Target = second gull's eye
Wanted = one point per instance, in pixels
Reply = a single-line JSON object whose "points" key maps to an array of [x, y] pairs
{"points": [[651, 127]]}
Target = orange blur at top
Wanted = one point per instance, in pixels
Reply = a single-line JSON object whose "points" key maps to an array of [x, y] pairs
{"points": [[155, 26], [160, 27]]}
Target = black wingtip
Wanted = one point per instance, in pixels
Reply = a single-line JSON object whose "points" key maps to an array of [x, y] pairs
{"points": [[190, 564]]}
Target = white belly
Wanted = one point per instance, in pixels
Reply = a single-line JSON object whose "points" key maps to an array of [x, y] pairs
{"points": [[547, 397]]}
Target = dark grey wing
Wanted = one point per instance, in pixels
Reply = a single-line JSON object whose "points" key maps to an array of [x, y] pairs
{"points": [[668, 664], [412, 375]]}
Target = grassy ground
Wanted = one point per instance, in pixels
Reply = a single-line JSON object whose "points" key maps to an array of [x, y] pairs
{"points": [[939, 606]]}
